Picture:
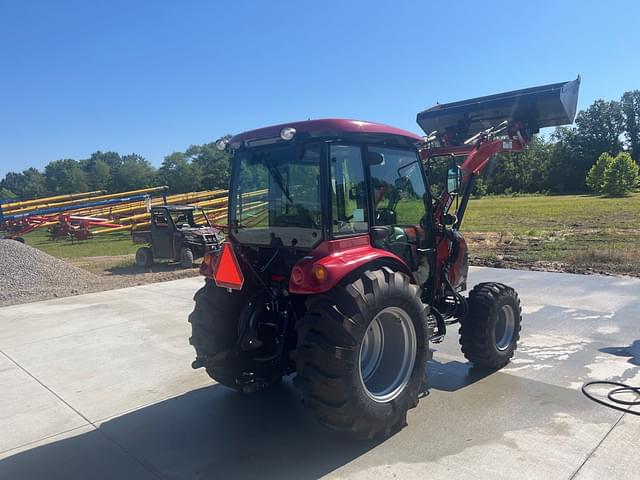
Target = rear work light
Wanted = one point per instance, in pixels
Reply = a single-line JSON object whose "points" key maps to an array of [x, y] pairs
{"points": [[228, 273], [287, 133]]}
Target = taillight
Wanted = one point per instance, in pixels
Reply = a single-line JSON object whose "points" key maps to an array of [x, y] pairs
{"points": [[297, 276], [320, 273]]}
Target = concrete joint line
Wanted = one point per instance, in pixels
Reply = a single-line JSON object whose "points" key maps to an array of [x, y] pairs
{"points": [[596, 447], [98, 429]]}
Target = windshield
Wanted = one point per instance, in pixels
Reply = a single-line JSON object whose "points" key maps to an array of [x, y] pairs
{"points": [[189, 218], [276, 196], [182, 218]]}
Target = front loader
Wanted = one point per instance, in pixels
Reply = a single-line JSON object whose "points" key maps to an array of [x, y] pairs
{"points": [[339, 266]]}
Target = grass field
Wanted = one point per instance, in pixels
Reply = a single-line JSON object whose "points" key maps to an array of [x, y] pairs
{"points": [[578, 232], [569, 232], [110, 244]]}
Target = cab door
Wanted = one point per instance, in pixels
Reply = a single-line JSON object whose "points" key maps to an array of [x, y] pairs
{"points": [[400, 208]]}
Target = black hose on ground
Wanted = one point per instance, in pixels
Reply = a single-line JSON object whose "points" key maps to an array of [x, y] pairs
{"points": [[613, 396]]}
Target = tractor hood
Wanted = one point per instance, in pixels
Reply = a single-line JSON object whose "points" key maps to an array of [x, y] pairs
{"points": [[537, 107]]}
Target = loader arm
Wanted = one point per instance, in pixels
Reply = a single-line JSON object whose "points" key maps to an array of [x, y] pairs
{"points": [[478, 157]]}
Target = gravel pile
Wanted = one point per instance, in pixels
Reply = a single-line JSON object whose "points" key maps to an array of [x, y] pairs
{"points": [[28, 275]]}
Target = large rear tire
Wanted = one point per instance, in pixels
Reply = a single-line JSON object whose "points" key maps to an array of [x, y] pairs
{"points": [[362, 353], [215, 324], [214, 331], [490, 331]]}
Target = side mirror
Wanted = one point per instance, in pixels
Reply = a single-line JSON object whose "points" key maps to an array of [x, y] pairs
{"points": [[454, 177], [449, 220]]}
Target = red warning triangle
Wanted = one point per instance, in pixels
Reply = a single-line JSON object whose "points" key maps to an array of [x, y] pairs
{"points": [[228, 273]]}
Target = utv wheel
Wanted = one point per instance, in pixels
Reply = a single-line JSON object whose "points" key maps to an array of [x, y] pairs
{"points": [[490, 331], [362, 354], [144, 257], [214, 336], [186, 258]]}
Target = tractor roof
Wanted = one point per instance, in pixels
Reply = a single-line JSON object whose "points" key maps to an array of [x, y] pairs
{"points": [[328, 127]]}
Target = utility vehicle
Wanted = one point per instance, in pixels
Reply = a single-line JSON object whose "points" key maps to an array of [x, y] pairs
{"points": [[175, 234], [345, 266]]}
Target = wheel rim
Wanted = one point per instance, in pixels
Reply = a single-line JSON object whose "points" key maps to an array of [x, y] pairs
{"points": [[505, 327], [388, 354]]}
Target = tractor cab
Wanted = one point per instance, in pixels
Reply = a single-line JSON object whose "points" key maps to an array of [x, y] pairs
{"points": [[307, 190]]}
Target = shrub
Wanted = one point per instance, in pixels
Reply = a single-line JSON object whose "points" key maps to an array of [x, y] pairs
{"points": [[595, 176], [6, 194], [620, 175]]}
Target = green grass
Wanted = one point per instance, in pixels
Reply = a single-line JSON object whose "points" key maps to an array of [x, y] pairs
{"points": [[581, 231], [118, 243], [555, 212]]}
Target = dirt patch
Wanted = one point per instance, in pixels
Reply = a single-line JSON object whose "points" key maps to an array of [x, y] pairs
{"points": [[537, 266], [121, 270], [559, 251]]}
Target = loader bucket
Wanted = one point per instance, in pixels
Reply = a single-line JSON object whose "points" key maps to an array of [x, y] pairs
{"points": [[536, 107]]}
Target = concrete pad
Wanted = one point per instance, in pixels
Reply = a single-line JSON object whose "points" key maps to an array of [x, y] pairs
{"points": [[588, 292], [32, 322], [483, 427], [496, 426], [29, 412], [122, 358], [79, 454], [135, 352], [617, 456], [566, 342]]}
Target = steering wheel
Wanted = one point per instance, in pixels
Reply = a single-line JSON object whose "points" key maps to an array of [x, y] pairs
{"points": [[345, 225], [386, 216]]}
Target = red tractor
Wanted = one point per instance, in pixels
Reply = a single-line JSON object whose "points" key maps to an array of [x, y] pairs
{"points": [[339, 266]]}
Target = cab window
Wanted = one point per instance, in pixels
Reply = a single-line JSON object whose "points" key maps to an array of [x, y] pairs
{"points": [[397, 186], [160, 219], [348, 192], [182, 219]]}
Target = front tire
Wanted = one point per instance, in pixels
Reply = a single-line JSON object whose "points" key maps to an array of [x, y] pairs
{"points": [[144, 257], [362, 354], [186, 257], [490, 331]]}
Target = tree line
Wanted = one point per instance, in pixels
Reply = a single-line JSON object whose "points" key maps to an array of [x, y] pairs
{"points": [[199, 167], [558, 164], [561, 162]]}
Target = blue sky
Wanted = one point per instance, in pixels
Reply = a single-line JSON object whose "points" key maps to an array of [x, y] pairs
{"points": [[154, 77]]}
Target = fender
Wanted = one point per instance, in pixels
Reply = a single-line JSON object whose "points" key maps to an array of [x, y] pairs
{"points": [[333, 260]]}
